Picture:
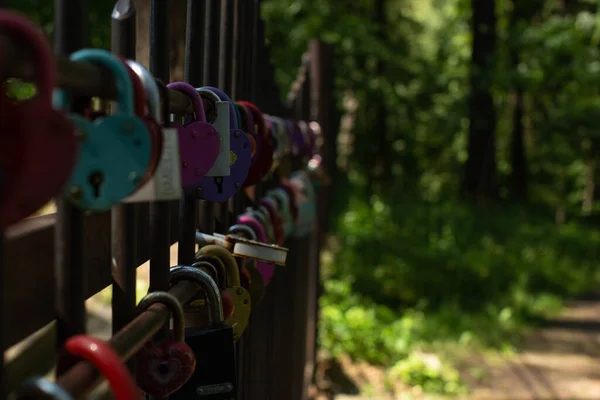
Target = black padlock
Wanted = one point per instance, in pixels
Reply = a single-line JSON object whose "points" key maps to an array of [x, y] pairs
{"points": [[215, 375]]}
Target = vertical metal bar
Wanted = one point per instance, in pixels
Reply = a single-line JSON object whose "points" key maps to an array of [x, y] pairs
{"points": [[160, 212], [211, 44], [254, 49], [226, 47], [2, 309], [124, 217], [70, 35]]}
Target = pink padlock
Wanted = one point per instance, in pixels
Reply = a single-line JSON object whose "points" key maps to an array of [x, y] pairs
{"points": [[266, 270]]}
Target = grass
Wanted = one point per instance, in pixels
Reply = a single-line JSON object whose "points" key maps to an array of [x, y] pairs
{"points": [[406, 277]]}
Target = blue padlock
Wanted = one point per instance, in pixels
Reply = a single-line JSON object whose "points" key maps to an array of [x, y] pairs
{"points": [[115, 151], [221, 188]]}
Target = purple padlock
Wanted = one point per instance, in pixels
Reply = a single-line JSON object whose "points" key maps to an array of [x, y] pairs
{"points": [[252, 128], [199, 141], [221, 188], [266, 270]]}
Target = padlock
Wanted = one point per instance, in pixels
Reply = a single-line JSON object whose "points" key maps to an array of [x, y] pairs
{"points": [[246, 124], [115, 151], [199, 141], [241, 298], [255, 281], [264, 159], [221, 188], [214, 267], [39, 387], [38, 146], [245, 248], [284, 147], [306, 200], [220, 118], [270, 206], [144, 88], [307, 137], [215, 373], [292, 198], [262, 215], [165, 183], [164, 367], [283, 205], [266, 269], [108, 362]]}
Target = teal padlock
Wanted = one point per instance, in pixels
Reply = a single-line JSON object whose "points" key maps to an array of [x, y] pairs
{"points": [[114, 151], [306, 201], [283, 204]]}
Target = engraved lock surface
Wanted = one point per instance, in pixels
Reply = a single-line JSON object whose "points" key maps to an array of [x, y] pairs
{"points": [[222, 188], [266, 269], [37, 143], [215, 373], [306, 200], [165, 366], [115, 151], [102, 356], [199, 141], [146, 97], [264, 158], [37, 386]]}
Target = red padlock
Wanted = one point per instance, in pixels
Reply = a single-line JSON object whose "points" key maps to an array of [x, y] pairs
{"points": [[37, 143], [108, 362], [264, 158]]}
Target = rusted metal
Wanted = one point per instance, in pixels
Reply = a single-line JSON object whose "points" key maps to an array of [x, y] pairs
{"points": [[124, 216], [71, 34], [84, 377]]}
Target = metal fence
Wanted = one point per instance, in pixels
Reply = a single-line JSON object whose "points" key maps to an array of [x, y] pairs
{"points": [[53, 263]]}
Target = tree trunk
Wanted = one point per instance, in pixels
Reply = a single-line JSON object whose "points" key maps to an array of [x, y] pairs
{"points": [[519, 172], [587, 204], [479, 181]]}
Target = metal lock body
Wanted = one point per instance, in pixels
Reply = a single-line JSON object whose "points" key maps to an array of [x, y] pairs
{"points": [[264, 158], [147, 108], [165, 366], [215, 374], [108, 362], [38, 146], [241, 298], [221, 188], [307, 203], [256, 284], [115, 151], [41, 388], [199, 141]]}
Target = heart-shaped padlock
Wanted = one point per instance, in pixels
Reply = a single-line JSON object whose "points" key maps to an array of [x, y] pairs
{"points": [[164, 367], [199, 141], [246, 124], [306, 201], [221, 188], [38, 146], [115, 151], [264, 159], [267, 270], [139, 104], [149, 111]]}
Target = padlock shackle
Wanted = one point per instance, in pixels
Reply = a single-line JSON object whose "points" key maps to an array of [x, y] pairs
{"points": [[108, 362], [204, 280], [216, 263], [125, 93], [231, 267], [255, 226], [139, 94], [189, 91], [224, 97], [257, 117], [244, 229], [45, 70], [172, 304], [150, 88], [249, 117], [42, 385]]}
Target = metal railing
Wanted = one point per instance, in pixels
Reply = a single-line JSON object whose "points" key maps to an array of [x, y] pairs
{"points": [[51, 264]]}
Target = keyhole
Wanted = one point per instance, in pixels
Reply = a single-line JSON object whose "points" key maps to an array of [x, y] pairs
{"points": [[219, 183], [96, 179], [163, 369]]}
